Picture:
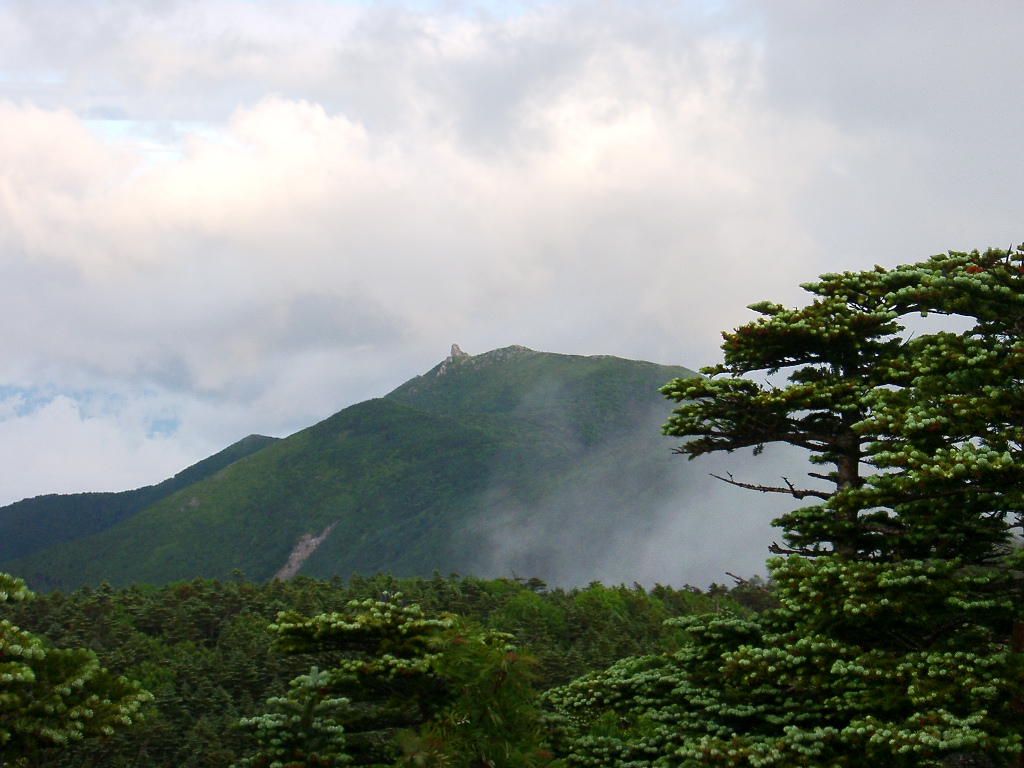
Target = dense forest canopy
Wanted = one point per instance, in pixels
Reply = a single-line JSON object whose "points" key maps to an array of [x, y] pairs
{"points": [[203, 648]]}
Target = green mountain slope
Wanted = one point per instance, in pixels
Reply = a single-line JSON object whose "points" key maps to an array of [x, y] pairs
{"points": [[431, 477], [32, 525], [592, 395]]}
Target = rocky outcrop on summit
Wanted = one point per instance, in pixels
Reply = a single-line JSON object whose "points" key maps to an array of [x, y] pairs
{"points": [[456, 354]]}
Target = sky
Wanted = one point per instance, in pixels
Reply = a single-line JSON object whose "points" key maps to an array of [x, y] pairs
{"points": [[221, 217]]}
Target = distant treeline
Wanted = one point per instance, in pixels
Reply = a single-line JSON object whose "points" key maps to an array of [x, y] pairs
{"points": [[203, 647]]}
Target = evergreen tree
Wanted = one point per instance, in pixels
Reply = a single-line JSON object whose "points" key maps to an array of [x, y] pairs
{"points": [[425, 692], [50, 697], [302, 730], [900, 590]]}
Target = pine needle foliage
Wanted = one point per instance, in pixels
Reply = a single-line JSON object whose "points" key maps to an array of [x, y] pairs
{"points": [[898, 640], [53, 697], [302, 729], [423, 691]]}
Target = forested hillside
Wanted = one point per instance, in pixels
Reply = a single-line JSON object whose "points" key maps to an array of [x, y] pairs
{"points": [[434, 476], [32, 525]]}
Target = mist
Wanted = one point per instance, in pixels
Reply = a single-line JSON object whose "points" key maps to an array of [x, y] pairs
{"points": [[632, 511]]}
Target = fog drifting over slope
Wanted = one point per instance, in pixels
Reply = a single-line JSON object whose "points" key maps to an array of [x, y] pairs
{"points": [[626, 518]]}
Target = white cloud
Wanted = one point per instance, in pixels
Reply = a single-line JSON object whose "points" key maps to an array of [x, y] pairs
{"points": [[606, 191], [67, 445]]}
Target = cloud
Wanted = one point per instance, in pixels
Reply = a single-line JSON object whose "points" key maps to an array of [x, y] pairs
{"points": [[260, 212], [932, 95], [569, 190], [625, 517], [67, 445]]}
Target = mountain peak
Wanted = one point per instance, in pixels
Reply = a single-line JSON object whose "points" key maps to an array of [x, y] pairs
{"points": [[485, 358], [444, 472], [456, 354]]}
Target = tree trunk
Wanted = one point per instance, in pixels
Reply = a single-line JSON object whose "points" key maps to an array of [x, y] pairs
{"points": [[847, 476]]}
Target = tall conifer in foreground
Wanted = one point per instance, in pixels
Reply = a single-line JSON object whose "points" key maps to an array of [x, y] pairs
{"points": [[898, 639]]}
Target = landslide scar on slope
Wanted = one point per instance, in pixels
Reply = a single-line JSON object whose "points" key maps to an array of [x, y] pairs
{"points": [[304, 547]]}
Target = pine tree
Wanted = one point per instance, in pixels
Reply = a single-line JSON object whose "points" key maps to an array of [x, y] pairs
{"points": [[50, 697], [423, 691], [900, 589], [302, 728]]}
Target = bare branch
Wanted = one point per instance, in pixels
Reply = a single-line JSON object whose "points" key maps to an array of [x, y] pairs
{"points": [[750, 584], [790, 491], [942, 628], [776, 549]]}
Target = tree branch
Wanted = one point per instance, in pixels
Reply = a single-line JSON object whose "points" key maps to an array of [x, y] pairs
{"points": [[750, 584], [790, 490], [776, 549], [879, 529]]}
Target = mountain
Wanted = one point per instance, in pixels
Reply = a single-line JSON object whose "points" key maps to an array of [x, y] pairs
{"points": [[32, 525], [508, 460]]}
